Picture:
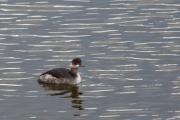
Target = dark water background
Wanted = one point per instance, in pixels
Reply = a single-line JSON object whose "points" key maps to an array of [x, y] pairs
{"points": [[131, 49]]}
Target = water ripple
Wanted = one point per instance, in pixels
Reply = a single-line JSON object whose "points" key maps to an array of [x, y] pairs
{"points": [[11, 85]]}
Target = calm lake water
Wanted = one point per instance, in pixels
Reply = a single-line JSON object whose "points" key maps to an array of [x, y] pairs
{"points": [[131, 50]]}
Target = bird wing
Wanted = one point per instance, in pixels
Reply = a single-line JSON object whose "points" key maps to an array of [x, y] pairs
{"points": [[59, 72]]}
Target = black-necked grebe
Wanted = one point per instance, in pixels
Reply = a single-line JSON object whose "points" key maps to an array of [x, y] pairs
{"points": [[63, 75]]}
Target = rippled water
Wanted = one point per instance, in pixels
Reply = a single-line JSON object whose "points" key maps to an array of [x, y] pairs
{"points": [[131, 49]]}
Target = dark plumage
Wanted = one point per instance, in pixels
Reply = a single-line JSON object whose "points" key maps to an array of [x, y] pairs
{"points": [[60, 73]]}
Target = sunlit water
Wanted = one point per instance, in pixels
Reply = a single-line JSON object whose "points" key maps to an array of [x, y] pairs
{"points": [[131, 50]]}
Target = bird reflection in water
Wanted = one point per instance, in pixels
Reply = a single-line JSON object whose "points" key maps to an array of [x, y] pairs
{"points": [[66, 91]]}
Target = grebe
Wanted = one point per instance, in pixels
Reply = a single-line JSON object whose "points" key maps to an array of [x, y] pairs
{"points": [[62, 75]]}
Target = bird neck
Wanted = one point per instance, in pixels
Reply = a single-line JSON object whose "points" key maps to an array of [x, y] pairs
{"points": [[74, 71]]}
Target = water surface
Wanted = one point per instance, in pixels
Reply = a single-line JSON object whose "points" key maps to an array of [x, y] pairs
{"points": [[130, 49]]}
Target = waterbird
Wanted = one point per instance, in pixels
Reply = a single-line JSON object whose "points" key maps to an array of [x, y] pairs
{"points": [[60, 76]]}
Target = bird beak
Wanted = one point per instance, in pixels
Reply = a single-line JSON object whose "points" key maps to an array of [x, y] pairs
{"points": [[82, 66]]}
